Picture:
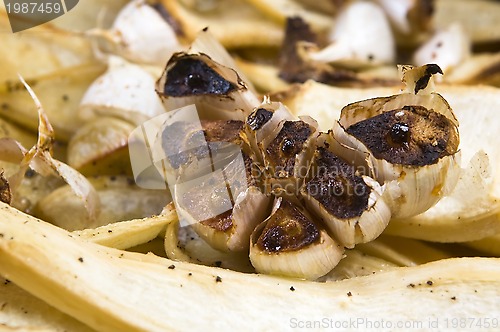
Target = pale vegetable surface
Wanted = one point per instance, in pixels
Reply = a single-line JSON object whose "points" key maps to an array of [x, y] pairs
{"points": [[88, 243]]}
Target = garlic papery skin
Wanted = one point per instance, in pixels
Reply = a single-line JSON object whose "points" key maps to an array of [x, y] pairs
{"points": [[125, 91], [289, 243], [140, 34], [360, 37], [423, 177], [447, 48], [351, 205]]}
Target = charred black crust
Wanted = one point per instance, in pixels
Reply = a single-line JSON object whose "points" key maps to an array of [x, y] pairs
{"points": [[191, 76], [288, 229], [259, 118], [422, 148], [336, 186]]}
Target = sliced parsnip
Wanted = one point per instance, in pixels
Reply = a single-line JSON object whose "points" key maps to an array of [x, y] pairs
{"points": [[280, 10], [100, 147], [130, 233], [21, 311], [234, 23], [489, 245], [40, 51], [59, 91], [263, 76], [357, 264], [8, 129], [471, 211], [480, 18], [120, 200], [481, 68], [402, 251], [112, 290], [183, 244], [90, 14]]}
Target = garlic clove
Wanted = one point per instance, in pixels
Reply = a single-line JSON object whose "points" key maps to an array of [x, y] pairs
{"points": [[447, 48], [217, 91], [220, 208], [412, 138], [125, 91], [100, 147], [351, 205], [290, 243], [219, 196], [140, 34], [355, 44]]}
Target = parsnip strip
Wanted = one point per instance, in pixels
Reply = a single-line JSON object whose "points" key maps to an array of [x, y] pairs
{"points": [[130, 233], [109, 293]]}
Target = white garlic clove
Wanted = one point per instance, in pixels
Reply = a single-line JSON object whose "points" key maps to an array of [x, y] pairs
{"points": [[290, 243], [361, 36], [125, 91], [447, 49], [411, 137], [140, 34], [351, 205]]}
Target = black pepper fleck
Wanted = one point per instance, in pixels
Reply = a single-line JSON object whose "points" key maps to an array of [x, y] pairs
{"points": [[292, 288], [110, 231], [190, 274], [218, 279], [411, 285], [6, 282], [429, 282], [453, 298], [218, 263], [349, 294], [80, 259], [171, 267]]}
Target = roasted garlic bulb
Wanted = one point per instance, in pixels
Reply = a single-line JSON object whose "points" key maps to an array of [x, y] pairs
{"points": [[386, 157], [411, 137]]}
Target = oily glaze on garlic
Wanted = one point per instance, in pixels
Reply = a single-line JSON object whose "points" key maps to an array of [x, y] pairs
{"points": [[411, 137], [290, 243]]}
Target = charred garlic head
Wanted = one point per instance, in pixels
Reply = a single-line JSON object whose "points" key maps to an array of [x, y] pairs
{"points": [[411, 137]]}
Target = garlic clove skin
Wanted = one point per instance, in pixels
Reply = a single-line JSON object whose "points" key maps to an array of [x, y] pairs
{"points": [[423, 178], [289, 243], [143, 35], [125, 91], [353, 206], [447, 48], [360, 37]]}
